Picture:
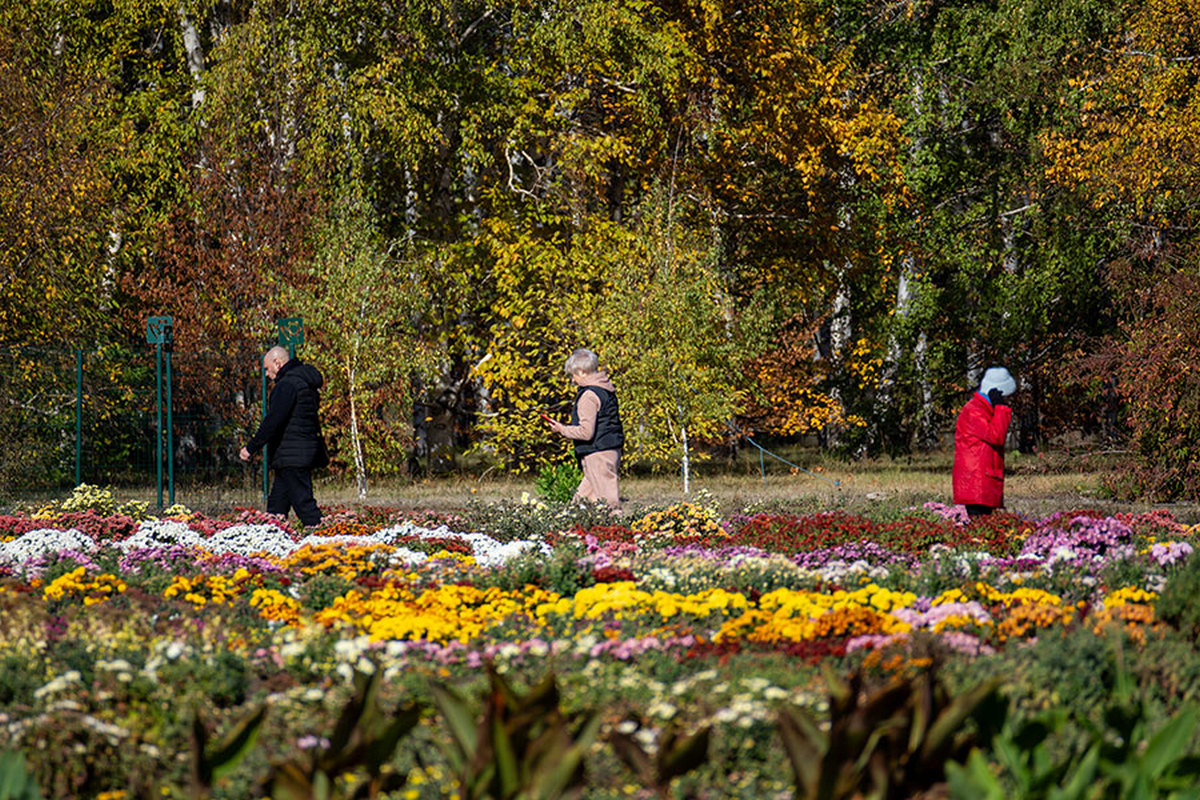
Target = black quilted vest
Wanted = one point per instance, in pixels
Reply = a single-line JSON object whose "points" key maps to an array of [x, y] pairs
{"points": [[609, 435]]}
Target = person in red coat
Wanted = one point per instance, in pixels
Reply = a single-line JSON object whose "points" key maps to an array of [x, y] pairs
{"points": [[979, 444]]}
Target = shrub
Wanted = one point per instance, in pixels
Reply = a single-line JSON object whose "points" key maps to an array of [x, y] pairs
{"points": [[319, 591], [507, 521], [560, 572], [556, 483], [1178, 605], [680, 520]]}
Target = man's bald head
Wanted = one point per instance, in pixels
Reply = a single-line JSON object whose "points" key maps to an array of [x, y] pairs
{"points": [[275, 358]]}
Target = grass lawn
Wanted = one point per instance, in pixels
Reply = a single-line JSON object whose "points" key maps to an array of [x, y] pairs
{"points": [[1035, 485]]}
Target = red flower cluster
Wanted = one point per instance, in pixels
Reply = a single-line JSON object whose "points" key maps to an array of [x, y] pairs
{"points": [[999, 533], [207, 526], [252, 516], [604, 534], [612, 575], [14, 526], [102, 529], [786, 533], [1159, 524]]}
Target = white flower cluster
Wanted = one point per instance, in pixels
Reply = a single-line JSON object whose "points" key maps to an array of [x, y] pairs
{"points": [[159, 533], [487, 551], [35, 544], [250, 539], [840, 570]]}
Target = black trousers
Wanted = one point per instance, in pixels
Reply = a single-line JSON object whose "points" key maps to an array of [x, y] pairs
{"points": [[974, 510], [293, 489]]}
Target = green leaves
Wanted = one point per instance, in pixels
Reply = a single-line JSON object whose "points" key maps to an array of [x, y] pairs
{"points": [[15, 781], [676, 754], [893, 741], [364, 304], [523, 745], [1042, 756], [364, 737], [209, 763]]}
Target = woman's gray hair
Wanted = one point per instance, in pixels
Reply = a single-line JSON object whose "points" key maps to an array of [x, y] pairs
{"points": [[582, 361]]}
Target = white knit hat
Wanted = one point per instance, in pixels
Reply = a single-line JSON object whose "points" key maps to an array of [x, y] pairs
{"points": [[998, 378]]}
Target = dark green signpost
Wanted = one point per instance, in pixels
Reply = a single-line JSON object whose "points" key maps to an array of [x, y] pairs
{"points": [[291, 333], [78, 417], [160, 333]]}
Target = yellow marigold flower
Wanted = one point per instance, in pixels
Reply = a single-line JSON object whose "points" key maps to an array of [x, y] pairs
{"points": [[275, 606], [958, 621], [444, 613], [1129, 594], [65, 584], [1136, 618], [950, 596], [1024, 619], [1021, 596]]}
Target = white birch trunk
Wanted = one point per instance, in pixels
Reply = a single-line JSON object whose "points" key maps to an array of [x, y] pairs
{"points": [[360, 468], [839, 338], [687, 474], [194, 55], [927, 437], [895, 354]]}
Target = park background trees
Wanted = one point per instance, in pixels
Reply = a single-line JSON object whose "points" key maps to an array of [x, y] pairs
{"points": [[787, 218]]}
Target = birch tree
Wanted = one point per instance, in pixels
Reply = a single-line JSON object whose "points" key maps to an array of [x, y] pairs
{"points": [[362, 308]]}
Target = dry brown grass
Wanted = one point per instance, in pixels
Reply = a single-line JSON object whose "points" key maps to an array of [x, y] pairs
{"points": [[1035, 485]]}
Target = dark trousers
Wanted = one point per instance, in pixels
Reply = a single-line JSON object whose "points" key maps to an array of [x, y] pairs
{"points": [[293, 489], [974, 510]]}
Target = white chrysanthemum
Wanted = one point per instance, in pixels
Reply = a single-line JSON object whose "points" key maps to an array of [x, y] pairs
{"points": [[67, 680], [403, 555], [487, 551], [161, 533], [249, 539], [35, 544]]}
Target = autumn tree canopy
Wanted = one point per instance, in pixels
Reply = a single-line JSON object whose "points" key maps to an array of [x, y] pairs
{"points": [[810, 218]]}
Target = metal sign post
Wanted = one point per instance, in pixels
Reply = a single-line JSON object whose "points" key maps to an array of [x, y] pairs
{"points": [[168, 347], [158, 333], [78, 417], [291, 333]]}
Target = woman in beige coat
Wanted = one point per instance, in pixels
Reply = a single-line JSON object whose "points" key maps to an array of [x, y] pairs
{"points": [[595, 428]]}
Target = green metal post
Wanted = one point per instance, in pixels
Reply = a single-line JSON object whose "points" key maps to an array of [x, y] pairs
{"points": [[78, 417], [265, 454], [170, 438], [158, 381]]}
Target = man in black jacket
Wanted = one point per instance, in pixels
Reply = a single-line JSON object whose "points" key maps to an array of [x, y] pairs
{"points": [[292, 433]]}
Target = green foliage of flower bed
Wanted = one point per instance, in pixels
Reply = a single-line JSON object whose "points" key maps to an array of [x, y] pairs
{"points": [[690, 638]]}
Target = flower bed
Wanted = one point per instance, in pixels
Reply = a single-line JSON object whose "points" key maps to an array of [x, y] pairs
{"points": [[117, 630]]}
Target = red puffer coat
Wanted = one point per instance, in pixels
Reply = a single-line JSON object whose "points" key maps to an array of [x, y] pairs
{"points": [[979, 452]]}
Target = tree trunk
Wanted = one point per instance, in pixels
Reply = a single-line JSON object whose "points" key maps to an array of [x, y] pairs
{"points": [[839, 339], [687, 477], [420, 424], [195, 57], [1029, 427], [927, 435], [360, 469]]}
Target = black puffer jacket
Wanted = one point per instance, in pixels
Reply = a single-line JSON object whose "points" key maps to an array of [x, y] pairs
{"points": [[292, 428]]}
